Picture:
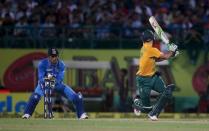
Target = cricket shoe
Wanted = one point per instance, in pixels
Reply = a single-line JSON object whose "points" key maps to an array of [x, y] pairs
{"points": [[26, 116], [136, 105], [153, 118], [83, 116], [137, 112]]}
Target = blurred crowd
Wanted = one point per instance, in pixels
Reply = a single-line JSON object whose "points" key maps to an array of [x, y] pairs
{"points": [[186, 20], [110, 17]]}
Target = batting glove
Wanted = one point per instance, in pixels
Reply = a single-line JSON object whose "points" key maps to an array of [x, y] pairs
{"points": [[172, 47], [176, 53]]}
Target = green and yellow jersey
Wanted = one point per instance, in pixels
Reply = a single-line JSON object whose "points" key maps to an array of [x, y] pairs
{"points": [[148, 54]]}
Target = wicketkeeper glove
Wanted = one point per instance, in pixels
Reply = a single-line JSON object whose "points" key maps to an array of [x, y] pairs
{"points": [[172, 47], [50, 77], [50, 82]]}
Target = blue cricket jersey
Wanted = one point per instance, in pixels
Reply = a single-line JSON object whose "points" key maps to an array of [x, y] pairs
{"points": [[45, 66]]}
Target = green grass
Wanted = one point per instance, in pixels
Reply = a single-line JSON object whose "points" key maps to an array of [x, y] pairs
{"points": [[34, 124]]}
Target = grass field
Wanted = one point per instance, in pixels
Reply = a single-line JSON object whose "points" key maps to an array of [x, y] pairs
{"points": [[34, 124]]}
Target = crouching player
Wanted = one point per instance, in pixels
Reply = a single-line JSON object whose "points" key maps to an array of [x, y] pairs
{"points": [[147, 79], [54, 65]]}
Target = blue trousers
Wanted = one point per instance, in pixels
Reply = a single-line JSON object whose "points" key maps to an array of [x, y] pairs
{"points": [[63, 90]]}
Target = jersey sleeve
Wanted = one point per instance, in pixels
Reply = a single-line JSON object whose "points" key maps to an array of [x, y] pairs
{"points": [[154, 52], [41, 71], [60, 76]]}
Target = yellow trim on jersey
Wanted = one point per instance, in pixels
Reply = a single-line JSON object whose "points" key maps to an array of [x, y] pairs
{"points": [[147, 60]]}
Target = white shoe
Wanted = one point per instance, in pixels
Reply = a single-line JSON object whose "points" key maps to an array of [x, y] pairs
{"points": [[137, 112], [83, 116], [26, 116], [153, 118]]}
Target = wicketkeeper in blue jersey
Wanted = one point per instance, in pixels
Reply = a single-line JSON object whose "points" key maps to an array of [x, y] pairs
{"points": [[56, 67]]}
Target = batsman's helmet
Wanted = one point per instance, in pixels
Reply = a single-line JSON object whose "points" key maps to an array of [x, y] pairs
{"points": [[53, 52], [147, 36]]}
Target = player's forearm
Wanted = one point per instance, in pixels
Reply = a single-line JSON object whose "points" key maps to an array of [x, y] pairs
{"points": [[160, 59], [41, 75], [41, 71], [165, 56]]}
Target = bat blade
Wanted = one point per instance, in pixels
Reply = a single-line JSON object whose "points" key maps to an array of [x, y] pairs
{"points": [[158, 30]]}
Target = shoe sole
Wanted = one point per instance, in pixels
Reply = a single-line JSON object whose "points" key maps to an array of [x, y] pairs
{"points": [[152, 119]]}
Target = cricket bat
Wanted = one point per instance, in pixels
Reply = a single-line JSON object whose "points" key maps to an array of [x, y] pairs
{"points": [[158, 30]]}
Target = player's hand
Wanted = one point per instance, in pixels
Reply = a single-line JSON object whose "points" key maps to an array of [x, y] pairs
{"points": [[172, 47]]}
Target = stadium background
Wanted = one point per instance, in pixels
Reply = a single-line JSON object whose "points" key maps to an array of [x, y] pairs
{"points": [[106, 30]]}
